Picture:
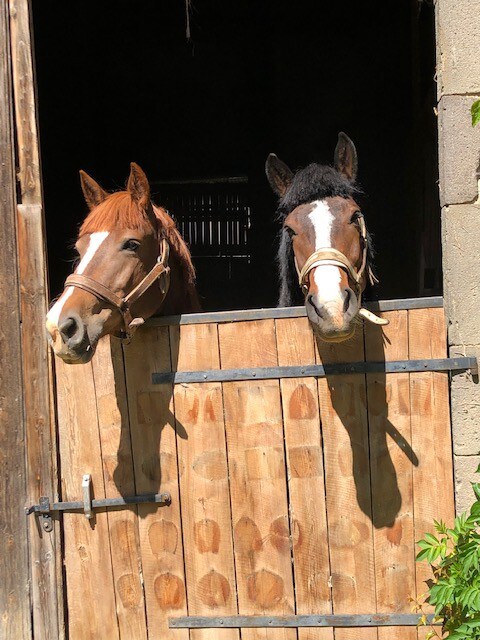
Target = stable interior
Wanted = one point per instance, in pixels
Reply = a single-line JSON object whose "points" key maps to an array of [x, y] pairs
{"points": [[119, 81]]}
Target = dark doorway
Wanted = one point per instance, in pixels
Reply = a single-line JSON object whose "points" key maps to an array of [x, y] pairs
{"points": [[119, 81]]}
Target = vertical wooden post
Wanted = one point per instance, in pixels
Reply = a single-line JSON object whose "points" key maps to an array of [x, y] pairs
{"points": [[45, 559], [14, 582]]}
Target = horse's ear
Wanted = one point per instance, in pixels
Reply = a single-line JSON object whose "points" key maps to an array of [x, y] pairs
{"points": [[279, 175], [93, 192], [138, 185], [346, 157]]}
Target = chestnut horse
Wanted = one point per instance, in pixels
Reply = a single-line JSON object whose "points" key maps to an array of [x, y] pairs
{"points": [[324, 249], [133, 263]]}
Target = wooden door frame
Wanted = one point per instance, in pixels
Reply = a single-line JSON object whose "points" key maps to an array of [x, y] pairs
{"points": [[32, 571]]}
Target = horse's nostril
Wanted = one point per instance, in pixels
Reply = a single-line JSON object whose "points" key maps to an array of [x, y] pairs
{"points": [[346, 300], [69, 328], [320, 311]]}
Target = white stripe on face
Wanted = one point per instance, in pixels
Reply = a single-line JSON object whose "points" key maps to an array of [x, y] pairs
{"points": [[326, 277], [94, 243]]}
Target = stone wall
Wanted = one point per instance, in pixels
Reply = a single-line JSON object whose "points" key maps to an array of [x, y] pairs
{"points": [[458, 77]]}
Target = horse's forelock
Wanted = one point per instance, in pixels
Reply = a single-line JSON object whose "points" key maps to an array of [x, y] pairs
{"points": [[118, 211], [315, 182]]}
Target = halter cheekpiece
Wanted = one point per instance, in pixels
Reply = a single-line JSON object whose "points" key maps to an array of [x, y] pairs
{"points": [[331, 256], [160, 271]]}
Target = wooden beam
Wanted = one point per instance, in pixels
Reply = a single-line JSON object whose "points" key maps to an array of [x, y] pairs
{"points": [[14, 579], [40, 424], [25, 110]]}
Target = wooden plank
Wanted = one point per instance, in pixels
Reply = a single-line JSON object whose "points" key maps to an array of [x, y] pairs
{"points": [[41, 445], [14, 565], [88, 567], [152, 426], [116, 451], [25, 107], [45, 548], [206, 519], [256, 457], [347, 472], [306, 481], [431, 432], [391, 461]]}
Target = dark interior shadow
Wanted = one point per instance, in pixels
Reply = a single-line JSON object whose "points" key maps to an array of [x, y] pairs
{"points": [[361, 403], [140, 460]]}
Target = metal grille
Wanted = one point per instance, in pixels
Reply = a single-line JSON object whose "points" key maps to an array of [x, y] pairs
{"points": [[212, 214]]}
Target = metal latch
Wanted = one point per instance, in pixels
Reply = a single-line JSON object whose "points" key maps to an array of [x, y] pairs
{"points": [[45, 508]]}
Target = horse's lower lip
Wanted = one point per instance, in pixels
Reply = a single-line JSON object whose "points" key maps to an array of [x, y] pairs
{"points": [[83, 358], [334, 337]]}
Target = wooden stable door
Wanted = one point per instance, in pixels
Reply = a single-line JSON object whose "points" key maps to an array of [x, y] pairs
{"points": [[289, 495]]}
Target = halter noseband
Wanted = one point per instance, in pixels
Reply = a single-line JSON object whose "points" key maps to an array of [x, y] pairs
{"points": [[123, 305], [333, 257]]}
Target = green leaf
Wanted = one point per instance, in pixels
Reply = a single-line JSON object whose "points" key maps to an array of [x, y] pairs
{"points": [[431, 538], [475, 111], [423, 555], [476, 485]]}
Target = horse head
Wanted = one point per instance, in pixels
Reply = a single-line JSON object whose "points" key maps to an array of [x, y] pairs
{"points": [[324, 245], [123, 273]]}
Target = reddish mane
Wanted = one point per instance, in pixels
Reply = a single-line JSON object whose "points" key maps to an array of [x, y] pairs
{"points": [[118, 211]]}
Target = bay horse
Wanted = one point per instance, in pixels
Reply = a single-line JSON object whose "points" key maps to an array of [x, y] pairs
{"points": [[324, 251], [132, 263]]}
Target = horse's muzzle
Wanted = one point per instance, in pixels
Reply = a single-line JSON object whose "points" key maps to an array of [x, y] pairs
{"points": [[332, 320], [70, 340]]}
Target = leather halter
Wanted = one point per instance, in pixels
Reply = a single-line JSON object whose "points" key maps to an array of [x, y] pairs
{"points": [[331, 256], [123, 305]]}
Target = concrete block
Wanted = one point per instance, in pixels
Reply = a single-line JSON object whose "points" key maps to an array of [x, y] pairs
{"points": [[465, 403], [461, 272], [465, 468], [459, 150], [458, 44]]}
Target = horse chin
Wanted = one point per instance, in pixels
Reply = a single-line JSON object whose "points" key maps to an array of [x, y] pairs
{"points": [[333, 337], [71, 357], [83, 359]]}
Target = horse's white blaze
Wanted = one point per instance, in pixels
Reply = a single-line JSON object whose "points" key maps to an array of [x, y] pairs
{"points": [[94, 243], [326, 277]]}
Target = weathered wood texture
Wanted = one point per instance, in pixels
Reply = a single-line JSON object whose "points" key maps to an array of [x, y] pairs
{"points": [[45, 549], [45, 552], [288, 497], [343, 412], [25, 106], [306, 477], [15, 619], [152, 424], [206, 515]]}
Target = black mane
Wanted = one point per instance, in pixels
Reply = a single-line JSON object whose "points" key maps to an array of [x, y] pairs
{"points": [[314, 182]]}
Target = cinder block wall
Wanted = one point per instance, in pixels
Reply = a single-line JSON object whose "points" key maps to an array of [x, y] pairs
{"points": [[458, 76]]}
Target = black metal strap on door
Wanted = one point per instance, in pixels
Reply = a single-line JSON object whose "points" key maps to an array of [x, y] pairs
{"points": [[265, 622], [45, 508], [319, 371]]}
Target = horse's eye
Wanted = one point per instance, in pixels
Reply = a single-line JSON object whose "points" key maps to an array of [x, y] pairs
{"points": [[290, 231], [130, 245], [355, 217]]}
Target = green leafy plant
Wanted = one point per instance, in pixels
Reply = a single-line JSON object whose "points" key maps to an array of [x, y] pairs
{"points": [[475, 111], [454, 590]]}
